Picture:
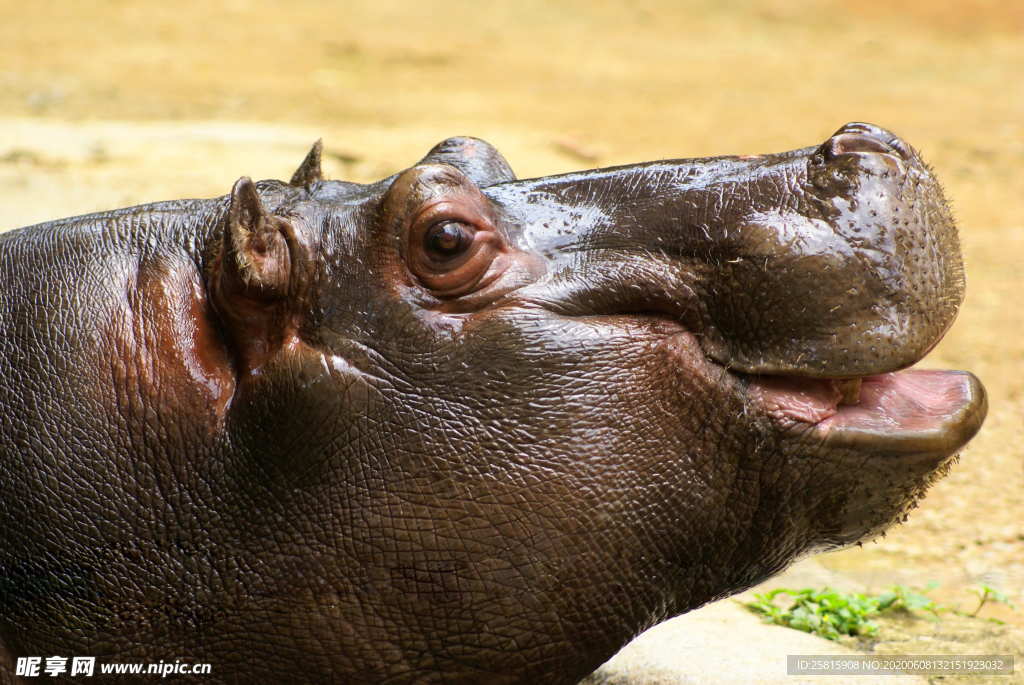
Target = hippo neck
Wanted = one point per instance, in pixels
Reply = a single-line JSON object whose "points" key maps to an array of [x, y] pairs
{"points": [[188, 225]]}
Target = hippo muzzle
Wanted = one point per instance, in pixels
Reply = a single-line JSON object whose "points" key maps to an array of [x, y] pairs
{"points": [[812, 275], [458, 427]]}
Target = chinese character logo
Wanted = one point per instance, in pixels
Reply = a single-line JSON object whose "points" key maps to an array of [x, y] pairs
{"points": [[83, 665], [28, 666]]}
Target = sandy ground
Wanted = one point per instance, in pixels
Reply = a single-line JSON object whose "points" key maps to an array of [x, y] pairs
{"points": [[104, 104]]}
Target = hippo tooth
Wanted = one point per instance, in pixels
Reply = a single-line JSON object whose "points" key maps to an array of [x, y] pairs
{"points": [[850, 390]]}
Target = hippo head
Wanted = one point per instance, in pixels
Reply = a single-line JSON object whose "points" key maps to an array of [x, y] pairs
{"points": [[500, 426], [468, 428]]}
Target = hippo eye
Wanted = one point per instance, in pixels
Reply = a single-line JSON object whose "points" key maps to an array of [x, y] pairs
{"points": [[450, 253], [447, 240]]}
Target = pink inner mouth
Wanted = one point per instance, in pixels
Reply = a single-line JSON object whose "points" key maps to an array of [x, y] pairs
{"points": [[912, 400], [792, 398]]}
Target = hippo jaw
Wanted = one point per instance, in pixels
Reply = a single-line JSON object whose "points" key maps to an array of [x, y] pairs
{"points": [[880, 440]]}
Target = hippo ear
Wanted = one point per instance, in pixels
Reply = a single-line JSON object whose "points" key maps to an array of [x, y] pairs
{"points": [[255, 246], [309, 171], [256, 279]]}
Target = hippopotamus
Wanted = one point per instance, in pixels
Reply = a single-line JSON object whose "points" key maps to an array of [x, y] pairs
{"points": [[460, 427]]}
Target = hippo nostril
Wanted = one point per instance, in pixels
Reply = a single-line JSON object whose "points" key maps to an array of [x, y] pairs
{"points": [[859, 137], [848, 143]]}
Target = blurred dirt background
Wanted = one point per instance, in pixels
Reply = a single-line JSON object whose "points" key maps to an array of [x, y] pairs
{"points": [[117, 102]]}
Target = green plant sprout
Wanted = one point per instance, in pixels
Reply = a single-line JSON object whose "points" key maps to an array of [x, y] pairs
{"points": [[830, 613], [987, 593], [900, 597]]}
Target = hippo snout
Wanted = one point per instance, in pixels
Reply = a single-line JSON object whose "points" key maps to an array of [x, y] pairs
{"points": [[855, 271], [840, 260]]}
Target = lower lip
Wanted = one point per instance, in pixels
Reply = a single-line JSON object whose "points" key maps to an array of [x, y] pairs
{"points": [[912, 399], [913, 411]]}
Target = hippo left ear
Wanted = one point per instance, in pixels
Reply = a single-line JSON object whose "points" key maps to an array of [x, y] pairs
{"points": [[257, 279], [309, 171]]}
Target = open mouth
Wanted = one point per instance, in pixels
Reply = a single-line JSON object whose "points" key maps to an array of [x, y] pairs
{"points": [[922, 412], [907, 412]]}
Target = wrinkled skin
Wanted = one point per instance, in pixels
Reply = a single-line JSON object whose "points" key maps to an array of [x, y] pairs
{"points": [[456, 427]]}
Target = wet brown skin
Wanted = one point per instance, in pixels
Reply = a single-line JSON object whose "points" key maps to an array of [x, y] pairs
{"points": [[455, 427]]}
